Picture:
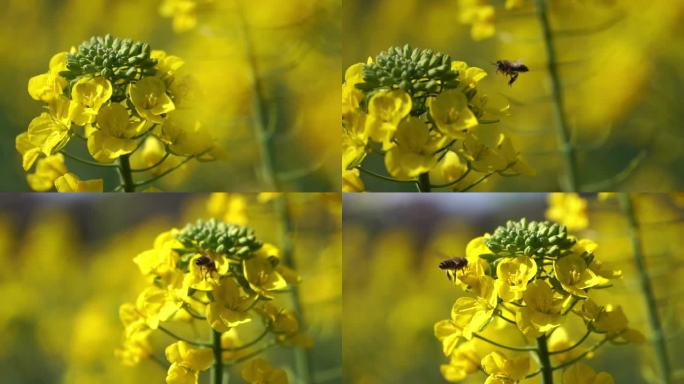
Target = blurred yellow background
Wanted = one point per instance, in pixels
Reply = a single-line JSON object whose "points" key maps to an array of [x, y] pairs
{"points": [[66, 265], [620, 71], [297, 49], [394, 291]]}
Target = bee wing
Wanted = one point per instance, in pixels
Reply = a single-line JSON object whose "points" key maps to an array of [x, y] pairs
{"points": [[520, 65]]}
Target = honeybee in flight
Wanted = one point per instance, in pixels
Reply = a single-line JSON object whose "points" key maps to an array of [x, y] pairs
{"points": [[511, 69], [453, 265]]}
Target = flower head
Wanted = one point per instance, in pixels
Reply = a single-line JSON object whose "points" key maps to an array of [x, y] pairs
{"points": [[259, 371], [116, 134], [502, 370], [150, 99], [186, 363]]}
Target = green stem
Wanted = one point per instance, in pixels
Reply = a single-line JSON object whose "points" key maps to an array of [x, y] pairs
{"points": [[657, 340], [259, 114], [492, 342], [125, 174], [302, 357], [84, 161], [191, 342], [424, 182], [577, 344], [449, 184], [544, 360], [585, 353], [155, 165], [476, 182], [562, 129], [217, 376], [159, 176], [386, 178]]}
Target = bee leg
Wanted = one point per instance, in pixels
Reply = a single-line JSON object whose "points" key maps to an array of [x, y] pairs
{"points": [[513, 78]]}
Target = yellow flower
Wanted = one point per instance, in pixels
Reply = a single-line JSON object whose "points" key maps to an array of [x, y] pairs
{"points": [[464, 361], [450, 332], [351, 181], [504, 371], [354, 140], [610, 319], [150, 99], [468, 77], [542, 311], [476, 310], [153, 152], [88, 95], [204, 279], [116, 134], [162, 258], [183, 12], [448, 169], [574, 275], [167, 65], [29, 152], [285, 325], [133, 321], [69, 182], [451, 114], [229, 341], [50, 130], [231, 207], [559, 341], [469, 278], [480, 16], [260, 271], [414, 151], [156, 305], [513, 275], [47, 171], [586, 247], [185, 135], [514, 4], [481, 157], [259, 371], [186, 362], [515, 164], [569, 209], [352, 96], [230, 306], [581, 373], [50, 85], [135, 348], [385, 110]]}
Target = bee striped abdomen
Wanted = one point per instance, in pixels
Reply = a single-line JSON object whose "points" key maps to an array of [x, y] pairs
{"points": [[455, 263]]}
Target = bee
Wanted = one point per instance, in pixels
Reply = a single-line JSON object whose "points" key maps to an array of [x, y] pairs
{"points": [[511, 69], [206, 264], [453, 265]]}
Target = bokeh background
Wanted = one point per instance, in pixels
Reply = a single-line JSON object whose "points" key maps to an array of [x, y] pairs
{"points": [[66, 265], [297, 48], [620, 71], [394, 292]]}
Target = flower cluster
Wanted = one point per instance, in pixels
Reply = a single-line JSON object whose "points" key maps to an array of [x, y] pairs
{"points": [[184, 12], [221, 276], [422, 112], [481, 14], [126, 103], [535, 278]]}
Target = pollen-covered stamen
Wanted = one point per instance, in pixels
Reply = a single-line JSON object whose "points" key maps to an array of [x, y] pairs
{"points": [[150, 101]]}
